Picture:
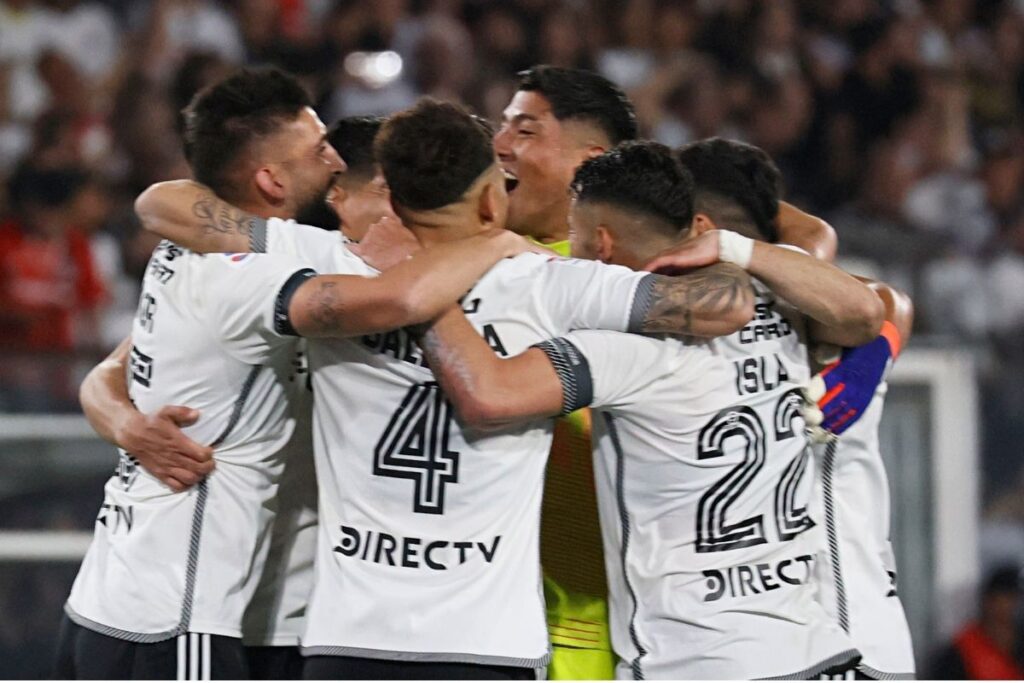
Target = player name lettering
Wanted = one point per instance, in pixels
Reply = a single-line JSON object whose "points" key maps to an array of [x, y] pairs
{"points": [[400, 346], [754, 579], [759, 373], [767, 324], [411, 552]]}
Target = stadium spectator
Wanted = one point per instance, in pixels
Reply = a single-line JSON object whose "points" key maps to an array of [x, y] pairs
{"points": [[987, 649], [50, 286]]}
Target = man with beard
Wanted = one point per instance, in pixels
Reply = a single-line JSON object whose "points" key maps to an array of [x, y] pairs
{"points": [[432, 548], [164, 585], [360, 196]]}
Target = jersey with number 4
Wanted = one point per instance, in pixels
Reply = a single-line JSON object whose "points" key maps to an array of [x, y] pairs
{"points": [[859, 578], [704, 478], [208, 335], [428, 546]]}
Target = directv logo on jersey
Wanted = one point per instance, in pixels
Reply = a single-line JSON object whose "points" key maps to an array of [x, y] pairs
{"points": [[410, 552], [743, 580]]}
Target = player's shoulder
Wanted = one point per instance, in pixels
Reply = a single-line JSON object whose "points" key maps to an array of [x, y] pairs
{"points": [[660, 350]]}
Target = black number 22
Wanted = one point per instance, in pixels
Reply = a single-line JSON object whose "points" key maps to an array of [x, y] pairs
{"points": [[714, 533]]}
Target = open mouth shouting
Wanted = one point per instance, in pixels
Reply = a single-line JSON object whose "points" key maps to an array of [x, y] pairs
{"points": [[511, 181]]}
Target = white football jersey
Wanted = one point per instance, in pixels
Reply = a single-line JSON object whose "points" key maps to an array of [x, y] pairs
{"points": [[428, 547], [704, 480], [859, 577], [208, 334], [276, 615]]}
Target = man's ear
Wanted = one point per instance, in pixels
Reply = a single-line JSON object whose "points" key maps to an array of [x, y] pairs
{"points": [[487, 204], [270, 185], [605, 244], [701, 224], [594, 151]]}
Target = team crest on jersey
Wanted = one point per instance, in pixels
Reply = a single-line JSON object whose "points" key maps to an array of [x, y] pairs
{"points": [[238, 260]]}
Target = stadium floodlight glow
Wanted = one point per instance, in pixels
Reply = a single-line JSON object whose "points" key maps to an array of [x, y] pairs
{"points": [[376, 69]]}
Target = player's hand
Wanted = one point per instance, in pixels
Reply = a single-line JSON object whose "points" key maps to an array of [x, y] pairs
{"points": [[386, 244], [841, 392], [159, 445], [702, 250]]}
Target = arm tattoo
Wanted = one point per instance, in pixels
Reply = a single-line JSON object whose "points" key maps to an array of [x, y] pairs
{"points": [[325, 312], [706, 293], [217, 216]]}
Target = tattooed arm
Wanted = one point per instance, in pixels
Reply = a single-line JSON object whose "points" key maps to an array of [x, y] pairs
{"points": [[489, 392], [706, 302], [412, 292], [190, 214]]}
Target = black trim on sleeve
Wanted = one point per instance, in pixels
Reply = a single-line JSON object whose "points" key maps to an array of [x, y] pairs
{"points": [[642, 300], [574, 372], [282, 322], [258, 236]]}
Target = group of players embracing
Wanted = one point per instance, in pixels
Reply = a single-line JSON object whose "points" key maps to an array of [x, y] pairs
{"points": [[424, 358]]}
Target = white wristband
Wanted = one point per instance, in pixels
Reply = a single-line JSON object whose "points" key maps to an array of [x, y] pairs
{"points": [[735, 248]]}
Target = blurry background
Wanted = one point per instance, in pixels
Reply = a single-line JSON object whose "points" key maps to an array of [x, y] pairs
{"points": [[899, 121]]}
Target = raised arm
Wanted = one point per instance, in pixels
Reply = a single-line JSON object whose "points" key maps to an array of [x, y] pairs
{"points": [[414, 291], [810, 233], [843, 310], [155, 440], [190, 214], [489, 392]]}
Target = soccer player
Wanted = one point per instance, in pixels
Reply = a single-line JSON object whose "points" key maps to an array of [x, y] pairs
{"points": [[557, 119], [360, 196], [164, 585], [702, 473], [859, 579], [428, 531], [858, 574]]}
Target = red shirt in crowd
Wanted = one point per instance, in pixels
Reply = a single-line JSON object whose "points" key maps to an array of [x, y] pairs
{"points": [[45, 284]]}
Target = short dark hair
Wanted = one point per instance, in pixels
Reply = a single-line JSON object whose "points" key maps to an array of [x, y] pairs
{"points": [[47, 188], [224, 119], [580, 95], [731, 174], [353, 137], [432, 153], [639, 176]]}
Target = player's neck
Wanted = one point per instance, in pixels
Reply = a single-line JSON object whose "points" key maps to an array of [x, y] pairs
{"points": [[549, 228], [446, 224], [429, 234], [264, 209]]}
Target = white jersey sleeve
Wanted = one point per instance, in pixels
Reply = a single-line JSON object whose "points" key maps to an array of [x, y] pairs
{"points": [[593, 368], [324, 250], [249, 303], [596, 296]]}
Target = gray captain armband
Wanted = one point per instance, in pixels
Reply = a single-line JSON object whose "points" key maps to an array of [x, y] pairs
{"points": [[573, 371], [282, 321]]}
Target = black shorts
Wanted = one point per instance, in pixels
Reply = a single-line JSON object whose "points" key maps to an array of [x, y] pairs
{"points": [[268, 663], [86, 654], [359, 669]]}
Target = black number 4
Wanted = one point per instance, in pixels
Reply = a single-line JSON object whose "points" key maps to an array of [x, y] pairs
{"points": [[415, 446], [714, 533]]}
